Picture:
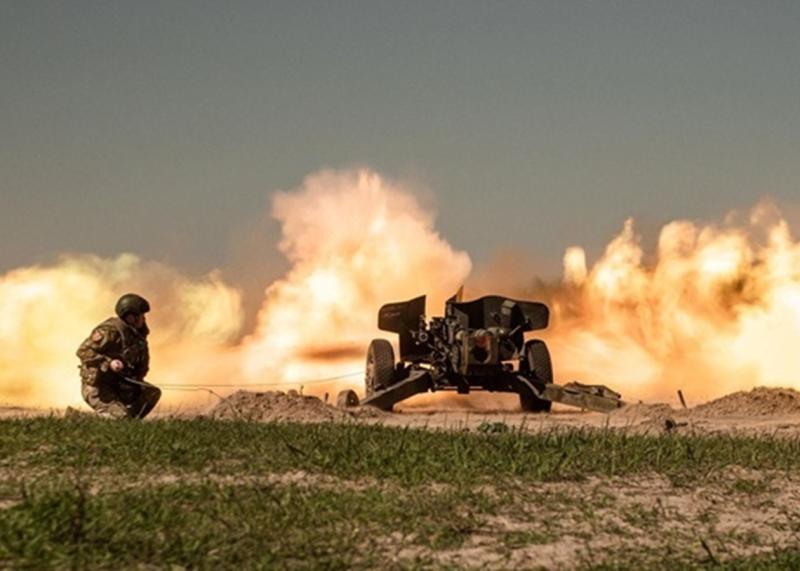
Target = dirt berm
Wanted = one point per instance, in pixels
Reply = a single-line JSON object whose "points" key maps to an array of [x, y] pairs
{"points": [[761, 410], [761, 401], [289, 406]]}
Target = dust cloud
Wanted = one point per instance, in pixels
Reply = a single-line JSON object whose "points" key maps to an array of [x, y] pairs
{"points": [[715, 308]]}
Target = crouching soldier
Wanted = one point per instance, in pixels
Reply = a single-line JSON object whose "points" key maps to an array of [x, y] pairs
{"points": [[114, 361]]}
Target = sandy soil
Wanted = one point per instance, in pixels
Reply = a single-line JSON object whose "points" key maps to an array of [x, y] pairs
{"points": [[9, 411], [567, 523], [761, 411]]}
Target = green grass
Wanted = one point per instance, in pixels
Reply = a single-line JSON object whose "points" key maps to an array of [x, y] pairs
{"points": [[210, 526], [90, 493], [408, 457]]}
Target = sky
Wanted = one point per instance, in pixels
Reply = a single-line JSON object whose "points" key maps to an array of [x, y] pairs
{"points": [[162, 128]]}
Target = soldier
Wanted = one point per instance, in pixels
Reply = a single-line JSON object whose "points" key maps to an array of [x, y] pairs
{"points": [[114, 361]]}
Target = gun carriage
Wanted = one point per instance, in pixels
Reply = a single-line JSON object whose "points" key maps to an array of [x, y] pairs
{"points": [[477, 345]]}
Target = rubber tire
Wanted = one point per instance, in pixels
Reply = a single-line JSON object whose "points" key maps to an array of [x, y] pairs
{"points": [[532, 403], [380, 366], [537, 360], [347, 399]]}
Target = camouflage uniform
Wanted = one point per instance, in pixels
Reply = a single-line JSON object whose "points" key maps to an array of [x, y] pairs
{"points": [[107, 392]]}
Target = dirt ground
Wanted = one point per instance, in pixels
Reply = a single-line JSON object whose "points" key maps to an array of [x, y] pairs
{"points": [[562, 525], [761, 411], [767, 411]]}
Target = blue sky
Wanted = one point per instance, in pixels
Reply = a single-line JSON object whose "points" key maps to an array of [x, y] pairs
{"points": [[160, 128]]}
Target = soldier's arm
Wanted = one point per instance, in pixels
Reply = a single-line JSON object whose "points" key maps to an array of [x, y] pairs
{"points": [[143, 368], [99, 349]]}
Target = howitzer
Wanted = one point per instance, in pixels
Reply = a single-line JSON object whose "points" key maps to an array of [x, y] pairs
{"points": [[477, 345]]}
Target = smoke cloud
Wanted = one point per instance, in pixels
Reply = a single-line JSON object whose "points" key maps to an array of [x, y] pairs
{"points": [[355, 241], [716, 308]]}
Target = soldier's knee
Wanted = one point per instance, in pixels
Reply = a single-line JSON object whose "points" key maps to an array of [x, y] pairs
{"points": [[154, 395]]}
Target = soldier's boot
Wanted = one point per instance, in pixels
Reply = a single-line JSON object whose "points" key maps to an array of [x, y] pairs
{"points": [[73, 413], [115, 410]]}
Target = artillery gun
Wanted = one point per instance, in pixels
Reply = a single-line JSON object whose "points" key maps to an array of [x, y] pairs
{"points": [[476, 346]]}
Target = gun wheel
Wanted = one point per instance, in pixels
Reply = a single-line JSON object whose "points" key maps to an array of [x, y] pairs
{"points": [[537, 361], [380, 366], [529, 402], [347, 399], [537, 358]]}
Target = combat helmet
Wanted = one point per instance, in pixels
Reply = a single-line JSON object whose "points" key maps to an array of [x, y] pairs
{"points": [[131, 304]]}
